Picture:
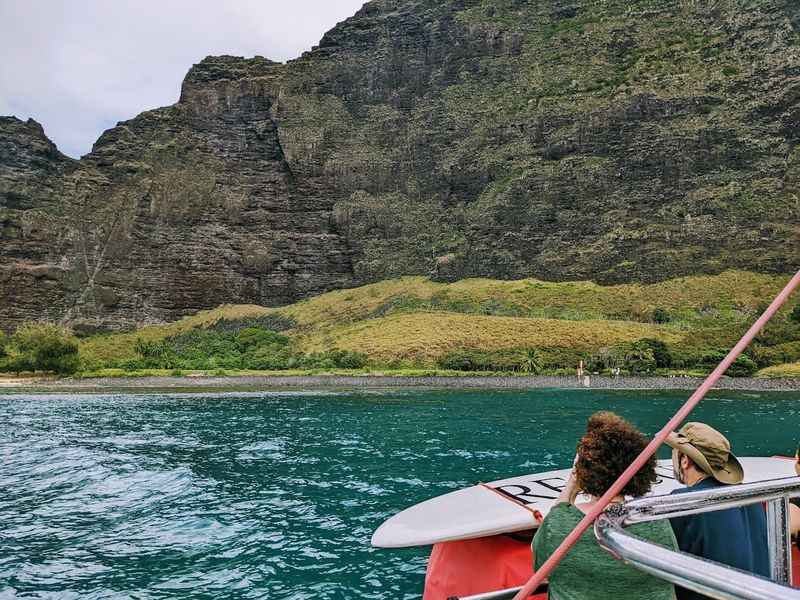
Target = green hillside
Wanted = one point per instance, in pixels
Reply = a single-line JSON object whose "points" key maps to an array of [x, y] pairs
{"points": [[787, 370], [477, 324]]}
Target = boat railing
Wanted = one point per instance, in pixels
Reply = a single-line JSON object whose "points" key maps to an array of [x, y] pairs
{"points": [[703, 576]]}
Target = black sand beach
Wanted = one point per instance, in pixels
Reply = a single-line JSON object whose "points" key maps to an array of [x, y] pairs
{"points": [[16, 385]]}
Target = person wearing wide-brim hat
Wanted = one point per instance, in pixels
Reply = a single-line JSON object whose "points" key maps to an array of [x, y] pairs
{"points": [[709, 450], [702, 460]]}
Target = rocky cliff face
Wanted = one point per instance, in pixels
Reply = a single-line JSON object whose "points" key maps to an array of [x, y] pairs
{"points": [[619, 141]]}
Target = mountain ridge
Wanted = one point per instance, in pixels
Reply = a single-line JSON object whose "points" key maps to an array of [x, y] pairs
{"points": [[561, 140]]}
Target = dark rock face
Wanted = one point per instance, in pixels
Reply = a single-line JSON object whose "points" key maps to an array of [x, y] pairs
{"points": [[180, 209], [560, 139], [31, 164]]}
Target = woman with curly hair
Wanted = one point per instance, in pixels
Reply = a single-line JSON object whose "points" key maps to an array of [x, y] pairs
{"points": [[588, 572]]}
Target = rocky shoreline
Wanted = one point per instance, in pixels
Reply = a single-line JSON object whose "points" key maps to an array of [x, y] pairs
{"points": [[382, 382]]}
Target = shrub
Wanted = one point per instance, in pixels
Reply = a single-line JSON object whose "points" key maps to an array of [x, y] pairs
{"points": [[505, 360], [458, 360], [461, 360], [527, 360], [779, 331], [133, 364], [605, 359], [640, 358], [767, 356], [200, 345], [742, 367], [44, 347], [661, 315], [333, 359], [3, 342], [347, 359], [155, 355], [561, 358], [795, 314], [530, 361], [254, 337], [660, 350], [686, 358], [246, 348], [729, 71], [267, 359], [316, 361], [270, 322], [713, 358], [89, 365]]}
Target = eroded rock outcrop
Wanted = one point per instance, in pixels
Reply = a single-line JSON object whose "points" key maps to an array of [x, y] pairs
{"points": [[179, 209], [563, 140]]}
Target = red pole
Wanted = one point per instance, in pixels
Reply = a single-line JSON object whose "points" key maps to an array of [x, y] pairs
{"points": [[654, 444]]}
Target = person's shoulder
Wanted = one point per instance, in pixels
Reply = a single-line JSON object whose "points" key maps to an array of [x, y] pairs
{"points": [[561, 514], [706, 484], [563, 509], [558, 521], [657, 531]]}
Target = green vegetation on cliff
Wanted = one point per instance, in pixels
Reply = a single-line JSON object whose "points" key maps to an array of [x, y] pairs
{"points": [[40, 347], [617, 141], [624, 140], [682, 325]]}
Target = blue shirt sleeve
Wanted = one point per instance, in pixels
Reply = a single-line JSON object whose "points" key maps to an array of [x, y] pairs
{"points": [[691, 534], [736, 537]]}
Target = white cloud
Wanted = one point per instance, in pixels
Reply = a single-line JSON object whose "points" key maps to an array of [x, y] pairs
{"points": [[78, 67]]}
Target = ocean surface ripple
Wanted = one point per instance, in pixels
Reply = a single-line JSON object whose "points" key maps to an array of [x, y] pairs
{"points": [[276, 495]]}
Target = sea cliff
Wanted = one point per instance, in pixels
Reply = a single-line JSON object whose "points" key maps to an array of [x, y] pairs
{"points": [[622, 141]]}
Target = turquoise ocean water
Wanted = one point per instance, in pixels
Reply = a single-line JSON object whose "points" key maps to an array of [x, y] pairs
{"points": [[276, 495]]}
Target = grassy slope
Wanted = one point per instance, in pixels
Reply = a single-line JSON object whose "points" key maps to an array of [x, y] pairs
{"points": [[729, 296], [426, 336], [416, 320], [120, 345], [787, 370]]}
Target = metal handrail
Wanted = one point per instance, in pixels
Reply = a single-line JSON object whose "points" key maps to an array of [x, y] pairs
{"points": [[652, 508], [498, 595], [704, 576]]}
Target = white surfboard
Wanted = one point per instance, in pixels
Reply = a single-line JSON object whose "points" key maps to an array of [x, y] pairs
{"points": [[476, 511]]}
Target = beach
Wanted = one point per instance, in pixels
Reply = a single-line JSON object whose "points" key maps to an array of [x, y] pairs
{"points": [[42, 384]]}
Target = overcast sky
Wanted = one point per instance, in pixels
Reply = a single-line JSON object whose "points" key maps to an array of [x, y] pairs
{"points": [[79, 66]]}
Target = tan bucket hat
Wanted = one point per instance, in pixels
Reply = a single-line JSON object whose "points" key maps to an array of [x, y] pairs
{"points": [[710, 450]]}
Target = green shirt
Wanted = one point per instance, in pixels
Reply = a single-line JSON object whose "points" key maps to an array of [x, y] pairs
{"points": [[588, 572]]}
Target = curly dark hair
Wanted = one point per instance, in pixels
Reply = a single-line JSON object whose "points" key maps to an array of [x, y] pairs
{"points": [[609, 446]]}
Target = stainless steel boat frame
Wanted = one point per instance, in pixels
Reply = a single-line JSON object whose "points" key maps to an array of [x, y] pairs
{"points": [[704, 576]]}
